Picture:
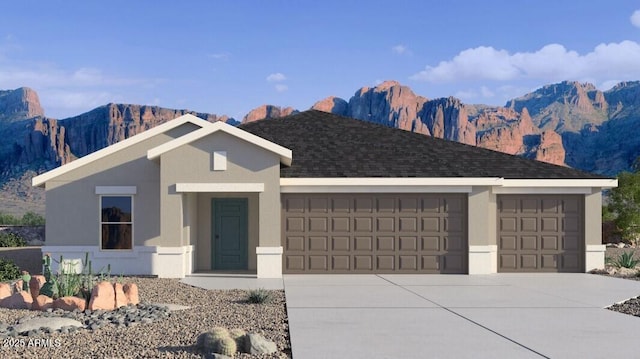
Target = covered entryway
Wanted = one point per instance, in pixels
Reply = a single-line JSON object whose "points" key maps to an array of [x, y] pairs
{"points": [[374, 233], [540, 233]]}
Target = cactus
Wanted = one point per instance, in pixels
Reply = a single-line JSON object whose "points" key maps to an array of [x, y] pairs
{"points": [[49, 288], [26, 277], [227, 346], [238, 335], [219, 332], [209, 341]]}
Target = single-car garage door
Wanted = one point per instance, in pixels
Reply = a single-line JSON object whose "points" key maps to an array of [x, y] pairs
{"points": [[540, 233], [374, 233]]}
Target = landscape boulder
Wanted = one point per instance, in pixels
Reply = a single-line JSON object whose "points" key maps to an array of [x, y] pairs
{"points": [[5, 291], [36, 282], [70, 304], [42, 302], [103, 297], [18, 300], [120, 297], [257, 344], [131, 292]]}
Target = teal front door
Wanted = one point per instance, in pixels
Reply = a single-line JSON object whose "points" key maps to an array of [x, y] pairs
{"points": [[230, 238]]}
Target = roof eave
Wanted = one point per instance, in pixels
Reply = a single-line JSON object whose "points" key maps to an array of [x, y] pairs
{"points": [[40, 180]]}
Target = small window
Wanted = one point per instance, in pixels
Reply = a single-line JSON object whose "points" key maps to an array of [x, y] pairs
{"points": [[116, 221]]}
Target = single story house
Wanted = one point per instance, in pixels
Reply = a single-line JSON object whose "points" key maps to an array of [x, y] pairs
{"points": [[318, 193]]}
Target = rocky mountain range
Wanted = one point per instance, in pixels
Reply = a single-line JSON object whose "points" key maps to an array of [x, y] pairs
{"points": [[567, 123]]}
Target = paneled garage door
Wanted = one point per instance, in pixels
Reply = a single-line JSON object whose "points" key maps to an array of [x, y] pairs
{"points": [[374, 233], [540, 233]]}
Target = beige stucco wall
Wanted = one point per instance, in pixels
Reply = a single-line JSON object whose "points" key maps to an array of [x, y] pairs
{"points": [[593, 217], [204, 259], [72, 207], [482, 217], [246, 163]]}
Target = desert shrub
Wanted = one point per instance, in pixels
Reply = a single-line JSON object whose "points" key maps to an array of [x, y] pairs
{"points": [[11, 240], [625, 260], [8, 219], [259, 296], [32, 219], [8, 270], [28, 219]]}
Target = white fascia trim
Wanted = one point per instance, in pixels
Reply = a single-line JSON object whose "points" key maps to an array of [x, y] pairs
{"points": [[41, 179], [541, 190], [489, 248], [596, 248], [219, 187], [376, 189], [390, 181], [110, 190], [269, 250], [284, 153], [603, 183]]}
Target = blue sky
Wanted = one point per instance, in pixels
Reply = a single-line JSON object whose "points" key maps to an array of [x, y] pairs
{"points": [[227, 57]]}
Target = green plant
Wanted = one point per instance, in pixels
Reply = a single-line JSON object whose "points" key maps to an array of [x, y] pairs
{"points": [[625, 260], [8, 219], [8, 270], [50, 287], [11, 240], [32, 219], [68, 281], [259, 296], [26, 278], [624, 205], [227, 346]]}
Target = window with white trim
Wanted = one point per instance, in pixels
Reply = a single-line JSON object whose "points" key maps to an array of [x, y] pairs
{"points": [[116, 222]]}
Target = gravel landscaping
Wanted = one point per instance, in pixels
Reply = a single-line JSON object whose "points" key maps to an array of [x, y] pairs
{"points": [[155, 332], [631, 306]]}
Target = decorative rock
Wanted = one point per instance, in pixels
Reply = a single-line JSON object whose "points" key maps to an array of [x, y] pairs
{"points": [[53, 323], [216, 356], [121, 299], [102, 297], [131, 292], [42, 302], [257, 344], [5, 291], [18, 300], [17, 286], [36, 282], [172, 307], [70, 304]]}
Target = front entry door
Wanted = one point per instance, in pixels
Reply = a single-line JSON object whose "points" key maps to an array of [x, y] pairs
{"points": [[230, 238]]}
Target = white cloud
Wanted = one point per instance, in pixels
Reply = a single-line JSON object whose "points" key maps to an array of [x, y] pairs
{"points": [[486, 92], [401, 49], [276, 77], [72, 100], [552, 62], [635, 18], [281, 87], [220, 56]]}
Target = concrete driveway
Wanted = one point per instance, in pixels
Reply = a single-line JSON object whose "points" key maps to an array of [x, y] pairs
{"points": [[460, 316]]}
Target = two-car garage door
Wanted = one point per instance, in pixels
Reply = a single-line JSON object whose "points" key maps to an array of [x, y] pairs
{"points": [[374, 233], [426, 233]]}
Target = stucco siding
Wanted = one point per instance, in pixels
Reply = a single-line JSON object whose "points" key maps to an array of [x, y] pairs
{"points": [[72, 208], [593, 217], [482, 219]]}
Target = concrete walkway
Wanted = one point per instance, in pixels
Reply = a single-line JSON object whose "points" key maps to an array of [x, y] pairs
{"points": [[460, 316]]}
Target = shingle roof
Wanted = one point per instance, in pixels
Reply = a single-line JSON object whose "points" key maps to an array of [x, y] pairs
{"points": [[327, 145]]}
